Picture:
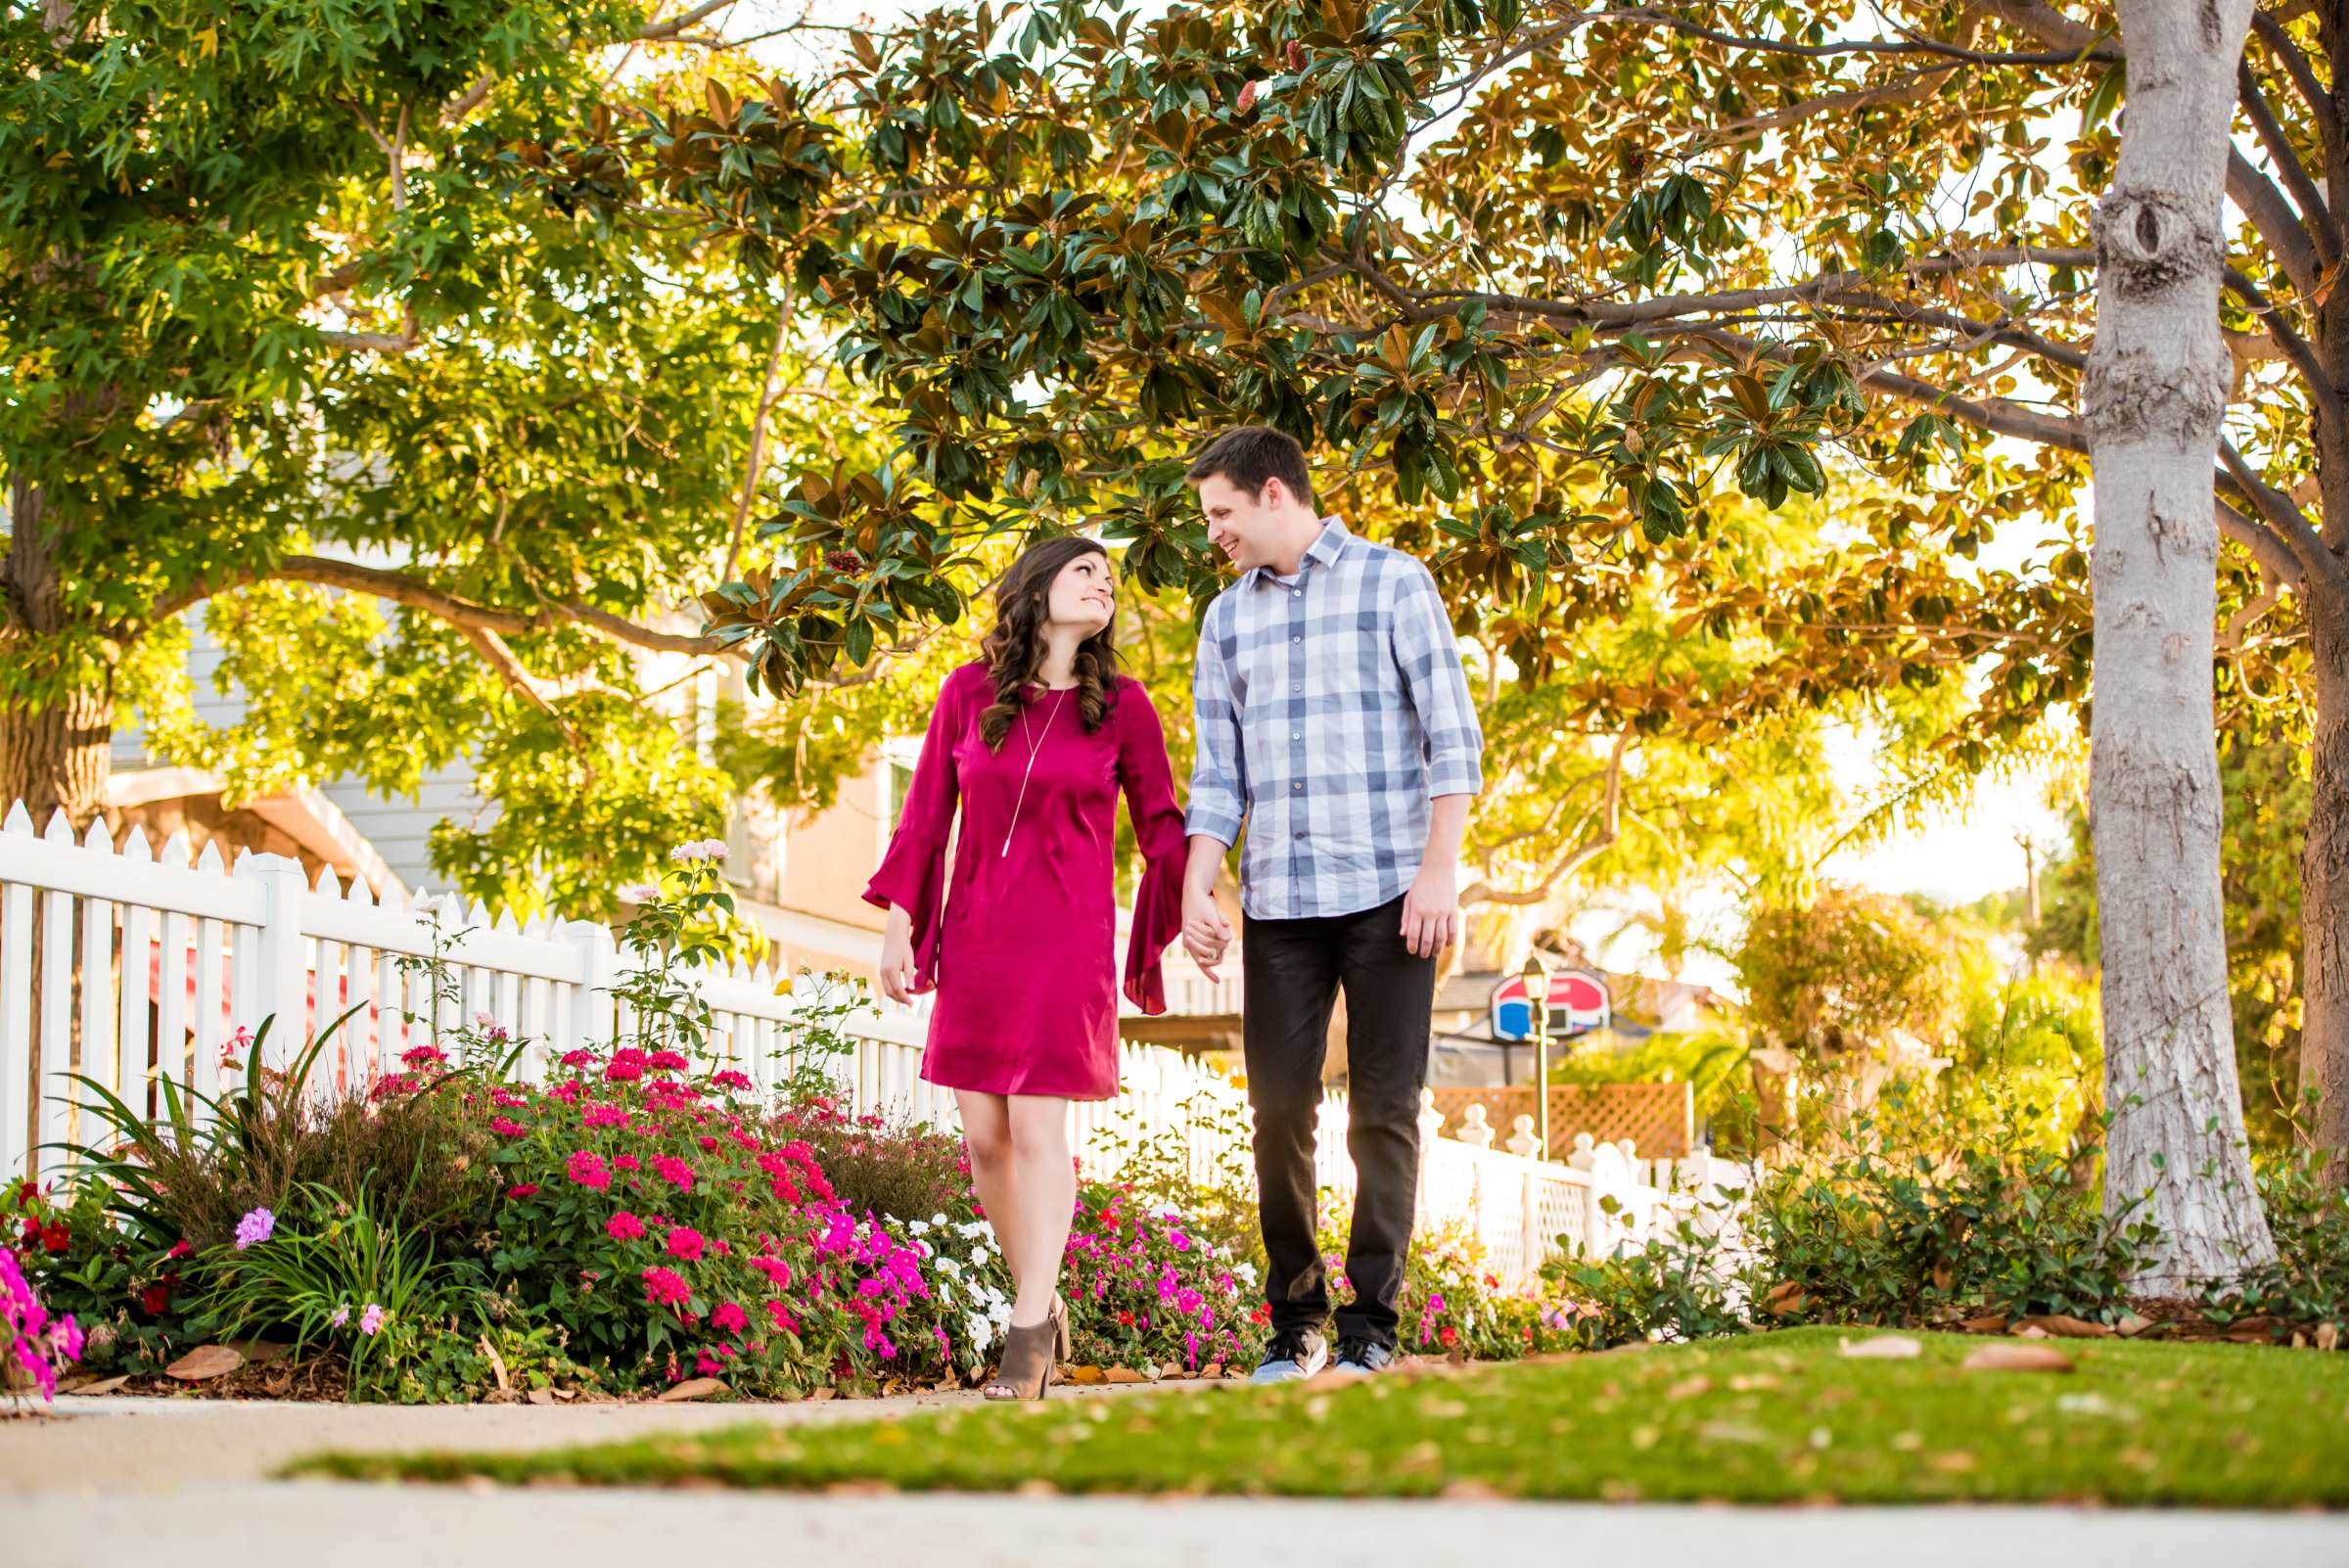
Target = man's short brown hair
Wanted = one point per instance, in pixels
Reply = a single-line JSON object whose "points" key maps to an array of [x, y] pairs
{"points": [[1251, 455]]}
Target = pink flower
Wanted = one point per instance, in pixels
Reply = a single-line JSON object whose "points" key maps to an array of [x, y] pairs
{"points": [[421, 1057], [586, 1167], [254, 1228], [577, 1058], [673, 1171], [522, 1189], [606, 1116], [625, 1162], [730, 1080], [685, 1242], [624, 1226], [371, 1319], [667, 1061], [666, 1287], [729, 1317], [626, 1065], [506, 1127]]}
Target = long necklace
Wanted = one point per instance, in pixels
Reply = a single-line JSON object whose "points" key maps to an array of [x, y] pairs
{"points": [[1035, 746]]}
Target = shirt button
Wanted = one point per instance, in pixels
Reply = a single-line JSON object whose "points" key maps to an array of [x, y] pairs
{"points": [[1300, 784], [1296, 639], [1295, 688], [1298, 833]]}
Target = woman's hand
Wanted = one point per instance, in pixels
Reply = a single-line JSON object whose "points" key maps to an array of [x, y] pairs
{"points": [[896, 956]]}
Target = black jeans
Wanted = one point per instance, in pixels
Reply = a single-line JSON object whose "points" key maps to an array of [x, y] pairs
{"points": [[1293, 970]]}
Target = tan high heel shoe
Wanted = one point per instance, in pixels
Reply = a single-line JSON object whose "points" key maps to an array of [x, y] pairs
{"points": [[1027, 1369], [1060, 1319]]}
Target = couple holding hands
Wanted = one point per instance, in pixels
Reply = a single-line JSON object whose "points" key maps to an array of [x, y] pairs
{"points": [[1333, 724]]}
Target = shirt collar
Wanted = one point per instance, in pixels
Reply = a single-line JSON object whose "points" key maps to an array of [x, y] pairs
{"points": [[1329, 545]]}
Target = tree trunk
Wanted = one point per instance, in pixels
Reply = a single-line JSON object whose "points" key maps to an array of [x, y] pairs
{"points": [[2157, 384], [55, 753], [2325, 889]]}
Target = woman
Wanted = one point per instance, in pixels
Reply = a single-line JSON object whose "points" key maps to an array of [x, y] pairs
{"points": [[1036, 742]]}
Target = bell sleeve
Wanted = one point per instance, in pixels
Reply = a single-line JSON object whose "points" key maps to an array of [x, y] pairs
{"points": [[912, 874], [1148, 780]]}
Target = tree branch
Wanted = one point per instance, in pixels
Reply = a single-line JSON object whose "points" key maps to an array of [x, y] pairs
{"points": [[2256, 197], [2318, 219], [654, 31], [769, 390], [2296, 66], [1610, 814], [2313, 557], [381, 583]]}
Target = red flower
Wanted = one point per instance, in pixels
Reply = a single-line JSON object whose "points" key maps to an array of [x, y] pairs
{"points": [[522, 1189], [1126, 1320], [1449, 1335], [57, 1238], [153, 1298]]}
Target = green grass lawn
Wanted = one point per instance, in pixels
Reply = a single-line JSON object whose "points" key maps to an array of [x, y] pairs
{"points": [[1772, 1419]]}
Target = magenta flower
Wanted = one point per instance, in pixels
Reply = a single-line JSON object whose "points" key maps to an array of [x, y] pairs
{"points": [[586, 1167], [729, 1317], [673, 1171], [505, 1127], [254, 1228], [685, 1242], [624, 1226], [666, 1287]]}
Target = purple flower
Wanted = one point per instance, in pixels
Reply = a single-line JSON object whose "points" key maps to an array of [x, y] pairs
{"points": [[371, 1319], [339, 1316], [254, 1228]]}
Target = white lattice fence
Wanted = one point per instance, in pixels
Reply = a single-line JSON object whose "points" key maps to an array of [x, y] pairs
{"points": [[129, 965]]}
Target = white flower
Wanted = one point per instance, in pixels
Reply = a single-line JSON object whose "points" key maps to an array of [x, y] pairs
{"points": [[978, 1331], [1244, 1271], [918, 1226], [639, 893], [938, 1220], [977, 1227], [951, 1265]]}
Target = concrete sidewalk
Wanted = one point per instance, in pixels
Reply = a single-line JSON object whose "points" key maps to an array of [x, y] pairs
{"points": [[303, 1525]]}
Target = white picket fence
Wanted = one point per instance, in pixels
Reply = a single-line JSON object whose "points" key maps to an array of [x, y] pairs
{"points": [[127, 965]]}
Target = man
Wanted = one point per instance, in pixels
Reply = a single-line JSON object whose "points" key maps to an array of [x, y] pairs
{"points": [[1333, 724]]}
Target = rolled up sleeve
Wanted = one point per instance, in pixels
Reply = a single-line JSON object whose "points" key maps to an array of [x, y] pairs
{"points": [[1429, 657]]}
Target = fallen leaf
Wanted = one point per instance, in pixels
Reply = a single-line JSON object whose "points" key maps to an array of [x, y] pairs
{"points": [[2030, 1331], [1955, 1462], [693, 1388], [2061, 1327], [259, 1352], [1689, 1388], [1882, 1348], [541, 1396], [1467, 1491], [1085, 1374], [103, 1384], [1124, 1374], [204, 1363], [2328, 1336], [2252, 1330], [1172, 1369], [1783, 1299], [566, 1395], [822, 1394], [2131, 1326], [2002, 1358], [1729, 1432], [1987, 1324], [1212, 1369]]}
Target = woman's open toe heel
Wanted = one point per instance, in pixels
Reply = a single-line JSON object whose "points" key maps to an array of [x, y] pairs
{"points": [[1027, 1369]]}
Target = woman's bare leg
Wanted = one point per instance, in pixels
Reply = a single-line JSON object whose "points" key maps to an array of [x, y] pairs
{"points": [[987, 1136], [1048, 1187]]}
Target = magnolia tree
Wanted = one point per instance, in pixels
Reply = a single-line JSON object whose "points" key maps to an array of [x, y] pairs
{"points": [[1538, 283]]}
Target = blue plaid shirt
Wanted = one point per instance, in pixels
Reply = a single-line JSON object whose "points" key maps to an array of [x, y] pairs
{"points": [[1332, 709]]}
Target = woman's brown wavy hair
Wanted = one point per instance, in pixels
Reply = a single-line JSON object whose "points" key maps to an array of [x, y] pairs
{"points": [[1015, 649]]}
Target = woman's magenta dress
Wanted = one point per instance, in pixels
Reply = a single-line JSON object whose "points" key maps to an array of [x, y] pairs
{"points": [[1024, 957]]}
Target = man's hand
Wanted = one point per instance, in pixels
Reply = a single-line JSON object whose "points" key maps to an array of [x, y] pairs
{"points": [[896, 956], [1206, 934], [1431, 910]]}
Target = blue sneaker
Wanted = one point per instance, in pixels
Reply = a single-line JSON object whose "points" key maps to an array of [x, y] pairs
{"points": [[1363, 1356], [1294, 1353]]}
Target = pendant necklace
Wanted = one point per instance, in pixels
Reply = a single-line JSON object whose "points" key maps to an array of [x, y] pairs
{"points": [[1035, 746]]}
